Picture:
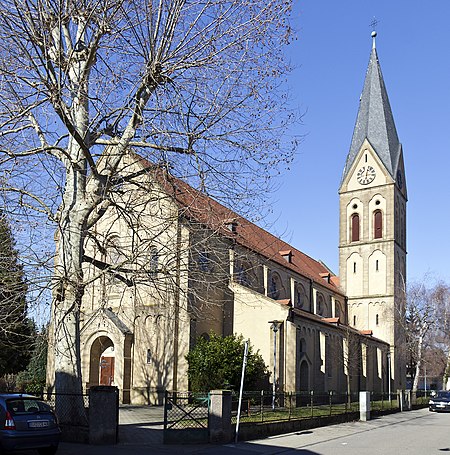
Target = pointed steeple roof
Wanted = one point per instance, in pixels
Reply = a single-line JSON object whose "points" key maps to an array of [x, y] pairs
{"points": [[375, 120]]}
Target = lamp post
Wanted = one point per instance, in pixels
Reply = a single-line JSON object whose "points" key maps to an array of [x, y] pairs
{"points": [[275, 325], [389, 374], [425, 385]]}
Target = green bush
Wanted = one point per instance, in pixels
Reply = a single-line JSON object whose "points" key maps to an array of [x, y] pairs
{"points": [[216, 363], [32, 380]]}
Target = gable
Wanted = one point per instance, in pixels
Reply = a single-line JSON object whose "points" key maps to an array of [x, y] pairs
{"points": [[367, 171]]}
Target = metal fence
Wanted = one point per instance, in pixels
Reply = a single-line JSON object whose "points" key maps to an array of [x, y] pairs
{"points": [[66, 404], [185, 410], [264, 407], [71, 409], [186, 417]]}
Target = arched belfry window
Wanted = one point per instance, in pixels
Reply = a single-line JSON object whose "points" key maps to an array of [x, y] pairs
{"points": [[355, 227], [378, 224]]}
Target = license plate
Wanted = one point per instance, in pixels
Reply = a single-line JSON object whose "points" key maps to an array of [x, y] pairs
{"points": [[440, 405], [38, 423]]}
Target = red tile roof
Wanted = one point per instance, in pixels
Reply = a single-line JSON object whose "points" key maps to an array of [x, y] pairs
{"points": [[205, 210], [286, 302], [335, 322]]}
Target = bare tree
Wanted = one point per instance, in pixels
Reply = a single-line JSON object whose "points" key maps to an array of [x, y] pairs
{"points": [[427, 324], [193, 85], [440, 339], [420, 319]]}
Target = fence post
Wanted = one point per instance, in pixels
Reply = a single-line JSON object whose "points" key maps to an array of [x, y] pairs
{"points": [[103, 414], [166, 405], [364, 406], [312, 403], [330, 393], [262, 405], [346, 402], [219, 422], [290, 404]]}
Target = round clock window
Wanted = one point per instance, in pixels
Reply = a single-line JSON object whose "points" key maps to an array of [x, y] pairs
{"points": [[366, 175]]}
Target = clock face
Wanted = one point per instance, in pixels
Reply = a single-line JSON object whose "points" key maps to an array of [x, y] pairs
{"points": [[366, 175]]}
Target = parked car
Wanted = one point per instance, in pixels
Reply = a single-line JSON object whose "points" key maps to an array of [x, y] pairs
{"points": [[440, 401], [26, 422]]}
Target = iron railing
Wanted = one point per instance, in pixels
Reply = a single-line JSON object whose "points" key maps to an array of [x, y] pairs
{"points": [[262, 407]]}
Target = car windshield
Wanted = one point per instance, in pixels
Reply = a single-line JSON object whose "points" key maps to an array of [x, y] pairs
{"points": [[17, 406], [444, 394]]}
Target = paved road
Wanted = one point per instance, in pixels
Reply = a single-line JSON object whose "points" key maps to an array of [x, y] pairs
{"points": [[413, 433]]}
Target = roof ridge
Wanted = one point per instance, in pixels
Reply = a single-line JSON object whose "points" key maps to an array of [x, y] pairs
{"points": [[249, 235]]}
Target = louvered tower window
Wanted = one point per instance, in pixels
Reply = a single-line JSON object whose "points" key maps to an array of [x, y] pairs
{"points": [[378, 222], [355, 227]]}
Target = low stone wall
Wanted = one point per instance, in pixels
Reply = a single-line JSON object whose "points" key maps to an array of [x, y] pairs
{"points": [[259, 430]]}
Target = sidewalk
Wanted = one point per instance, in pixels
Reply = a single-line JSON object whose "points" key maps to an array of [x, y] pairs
{"points": [[303, 442]]}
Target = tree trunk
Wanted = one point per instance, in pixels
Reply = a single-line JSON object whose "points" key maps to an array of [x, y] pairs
{"points": [[418, 363], [445, 379], [67, 305]]}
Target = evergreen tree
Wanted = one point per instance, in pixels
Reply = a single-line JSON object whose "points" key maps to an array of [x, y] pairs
{"points": [[15, 328], [32, 380]]}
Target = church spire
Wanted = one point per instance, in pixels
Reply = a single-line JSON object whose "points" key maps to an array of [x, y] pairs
{"points": [[375, 121]]}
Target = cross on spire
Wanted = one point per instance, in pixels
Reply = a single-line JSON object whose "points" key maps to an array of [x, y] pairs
{"points": [[374, 23], [373, 26]]}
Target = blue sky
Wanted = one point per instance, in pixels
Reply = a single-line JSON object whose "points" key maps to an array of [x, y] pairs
{"points": [[330, 58]]}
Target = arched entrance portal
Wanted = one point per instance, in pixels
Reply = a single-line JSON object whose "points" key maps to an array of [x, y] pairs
{"points": [[102, 362]]}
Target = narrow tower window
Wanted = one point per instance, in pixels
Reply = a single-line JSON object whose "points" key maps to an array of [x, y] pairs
{"points": [[354, 320], [378, 225], [355, 227], [354, 267], [376, 319], [376, 265], [154, 259]]}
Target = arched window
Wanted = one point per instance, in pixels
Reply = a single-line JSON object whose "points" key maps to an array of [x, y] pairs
{"points": [[204, 261], [275, 286], [378, 224], [301, 298], [154, 260], [355, 227], [245, 274], [302, 345], [337, 309], [320, 307]]}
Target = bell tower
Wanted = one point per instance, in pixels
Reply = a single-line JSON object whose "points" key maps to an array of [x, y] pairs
{"points": [[372, 232]]}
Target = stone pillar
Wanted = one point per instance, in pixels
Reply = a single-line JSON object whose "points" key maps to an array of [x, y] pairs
{"points": [[408, 400], [220, 417], [404, 400], [364, 406], [103, 414]]}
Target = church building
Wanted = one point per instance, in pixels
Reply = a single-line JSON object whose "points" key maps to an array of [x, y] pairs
{"points": [[183, 265]]}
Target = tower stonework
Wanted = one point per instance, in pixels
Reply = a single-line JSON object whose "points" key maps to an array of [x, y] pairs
{"points": [[372, 233]]}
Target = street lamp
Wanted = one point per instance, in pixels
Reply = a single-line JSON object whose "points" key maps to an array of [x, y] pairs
{"points": [[275, 325], [389, 373]]}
